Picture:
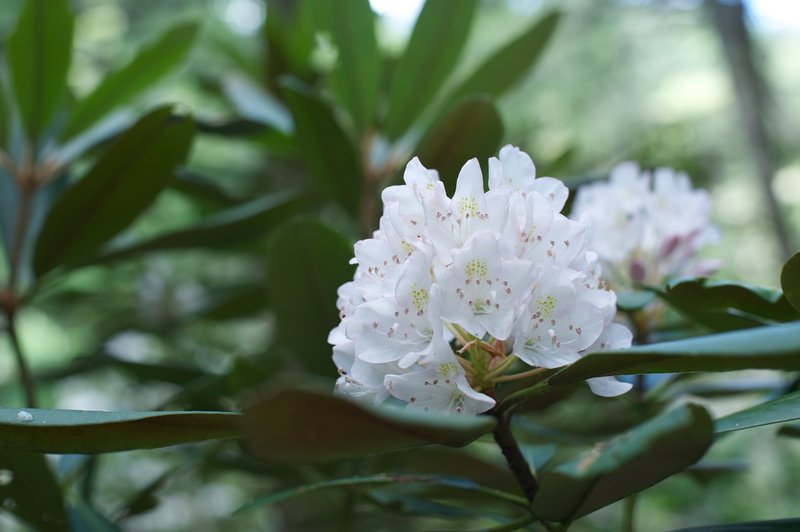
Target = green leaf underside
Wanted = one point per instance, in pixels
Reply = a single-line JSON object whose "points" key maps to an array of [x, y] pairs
{"points": [[631, 462], [33, 489], [449, 482], [356, 75], [151, 63], [771, 347], [224, 228], [334, 427], [308, 262], [254, 103], [90, 432], [472, 128], [724, 305], [122, 184], [633, 300], [790, 280], [334, 164], [510, 63], [434, 47], [785, 408], [39, 52]]}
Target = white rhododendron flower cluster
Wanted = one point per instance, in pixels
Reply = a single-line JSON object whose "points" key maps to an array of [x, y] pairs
{"points": [[647, 227], [452, 296]]}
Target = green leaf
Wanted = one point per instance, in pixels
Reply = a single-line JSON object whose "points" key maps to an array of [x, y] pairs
{"points": [[784, 408], [203, 190], [629, 463], [225, 228], [772, 347], [472, 128], [302, 288], [39, 52], [511, 62], [356, 75], [331, 158], [433, 49], [790, 280], [235, 127], [787, 525], [122, 184], [334, 427], [707, 471], [633, 300], [449, 482], [254, 103], [290, 38], [146, 499], [148, 66], [725, 305], [33, 489], [90, 432], [234, 303]]}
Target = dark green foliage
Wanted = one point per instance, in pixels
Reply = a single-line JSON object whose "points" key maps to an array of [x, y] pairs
{"points": [[39, 52], [85, 432], [122, 184], [338, 428]]}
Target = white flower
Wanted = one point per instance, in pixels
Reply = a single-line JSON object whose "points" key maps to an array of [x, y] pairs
{"points": [[561, 320], [402, 327], [481, 290], [647, 228], [439, 385], [488, 271]]}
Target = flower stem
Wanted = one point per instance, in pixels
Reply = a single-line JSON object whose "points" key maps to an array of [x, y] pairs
{"points": [[494, 374], [457, 333], [523, 375], [26, 190], [25, 375], [26, 176], [516, 461], [628, 515]]}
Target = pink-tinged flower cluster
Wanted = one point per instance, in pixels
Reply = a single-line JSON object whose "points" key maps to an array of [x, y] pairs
{"points": [[647, 227], [501, 268]]}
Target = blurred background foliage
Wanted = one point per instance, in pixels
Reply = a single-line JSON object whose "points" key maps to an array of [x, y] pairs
{"points": [[300, 116]]}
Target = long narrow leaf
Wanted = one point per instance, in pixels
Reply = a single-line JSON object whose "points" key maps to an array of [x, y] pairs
{"points": [[511, 62], [32, 490], [772, 347], [334, 427], [472, 128], [355, 77], [39, 52], [225, 228], [785, 408], [123, 183], [448, 482], [331, 158], [150, 64], [89, 432], [631, 462], [434, 48]]}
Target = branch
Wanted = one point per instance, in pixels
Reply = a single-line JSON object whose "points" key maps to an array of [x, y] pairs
{"points": [[24, 371], [516, 461]]}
